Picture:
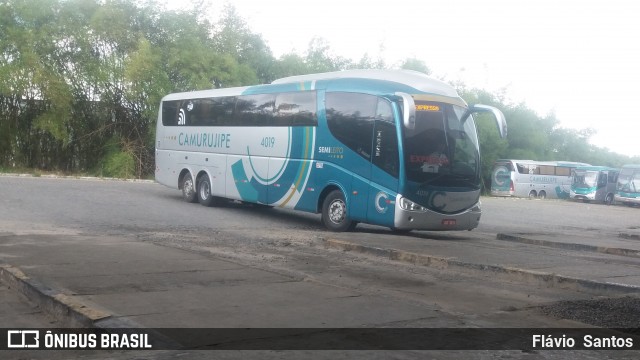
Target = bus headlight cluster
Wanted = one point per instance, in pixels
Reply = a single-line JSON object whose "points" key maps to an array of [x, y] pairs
{"points": [[406, 204]]}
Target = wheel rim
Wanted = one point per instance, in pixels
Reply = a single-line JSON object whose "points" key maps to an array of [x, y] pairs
{"points": [[188, 187], [337, 211], [204, 190]]}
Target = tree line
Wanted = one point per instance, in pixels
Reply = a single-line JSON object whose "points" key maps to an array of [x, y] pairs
{"points": [[81, 82]]}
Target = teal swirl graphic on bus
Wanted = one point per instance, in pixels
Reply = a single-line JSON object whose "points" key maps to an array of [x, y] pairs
{"points": [[284, 188], [501, 179]]}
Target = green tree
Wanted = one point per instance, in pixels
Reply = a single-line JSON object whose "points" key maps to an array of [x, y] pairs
{"points": [[415, 65], [81, 79], [234, 38]]}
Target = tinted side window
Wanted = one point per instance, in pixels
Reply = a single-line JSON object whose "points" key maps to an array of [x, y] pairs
{"points": [[169, 113], [350, 118], [175, 113], [296, 109], [528, 169], [522, 169], [198, 112], [221, 110], [547, 170], [284, 109], [254, 110], [211, 112]]}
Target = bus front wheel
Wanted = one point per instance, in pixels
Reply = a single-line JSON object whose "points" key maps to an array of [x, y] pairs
{"points": [[609, 199], [188, 188], [334, 213]]}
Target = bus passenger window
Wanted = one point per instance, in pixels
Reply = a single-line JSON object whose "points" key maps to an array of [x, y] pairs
{"points": [[169, 113], [222, 110], [296, 109], [547, 170], [255, 110]]}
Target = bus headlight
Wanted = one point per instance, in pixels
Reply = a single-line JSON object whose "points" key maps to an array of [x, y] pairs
{"points": [[406, 204]]}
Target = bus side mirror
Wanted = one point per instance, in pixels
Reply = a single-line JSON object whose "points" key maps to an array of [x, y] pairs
{"points": [[501, 122], [408, 110]]}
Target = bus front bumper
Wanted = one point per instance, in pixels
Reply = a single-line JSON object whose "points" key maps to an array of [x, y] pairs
{"points": [[430, 220], [626, 200], [590, 196], [501, 193]]}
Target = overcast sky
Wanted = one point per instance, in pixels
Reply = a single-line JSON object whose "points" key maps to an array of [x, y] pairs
{"points": [[580, 59]]}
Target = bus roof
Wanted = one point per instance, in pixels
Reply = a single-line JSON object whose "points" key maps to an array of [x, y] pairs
{"points": [[596, 168], [389, 82], [550, 163], [417, 80], [631, 166], [234, 91]]}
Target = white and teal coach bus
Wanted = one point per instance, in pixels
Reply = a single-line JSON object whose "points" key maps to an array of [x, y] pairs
{"points": [[533, 179], [391, 148], [628, 189], [594, 183]]}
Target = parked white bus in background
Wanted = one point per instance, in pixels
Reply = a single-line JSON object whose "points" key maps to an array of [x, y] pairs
{"points": [[628, 190], [594, 183], [529, 178]]}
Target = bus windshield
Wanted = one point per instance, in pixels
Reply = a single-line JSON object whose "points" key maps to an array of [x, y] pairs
{"points": [[585, 179], [441, 150], [629, 181]]}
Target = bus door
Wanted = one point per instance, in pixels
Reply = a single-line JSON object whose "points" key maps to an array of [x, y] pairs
{"points": [[607, 183], [384, 174], [601, 190]]}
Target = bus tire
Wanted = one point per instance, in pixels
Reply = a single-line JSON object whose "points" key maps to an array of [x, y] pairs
{"points": [[532, 194], [204, 192], [335, 213], [188, 188], [542, 195], [609, 199]]}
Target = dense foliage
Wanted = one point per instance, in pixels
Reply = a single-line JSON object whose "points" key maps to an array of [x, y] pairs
{"points": [[81, 80]]}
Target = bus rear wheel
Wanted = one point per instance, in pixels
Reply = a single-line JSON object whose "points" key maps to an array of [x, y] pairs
{"points": [[188, 188], [542, 195], [532, 194], [334, 213], [204, 192]]}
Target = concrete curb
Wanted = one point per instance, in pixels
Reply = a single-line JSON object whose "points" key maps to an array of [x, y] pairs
{"points": [[569, 246], [61, 306], [509, 273], [629, 236], [70, 311]]}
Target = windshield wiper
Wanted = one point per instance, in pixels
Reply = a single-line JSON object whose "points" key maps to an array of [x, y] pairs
{"points": [[440, 176], [465, 179]]}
